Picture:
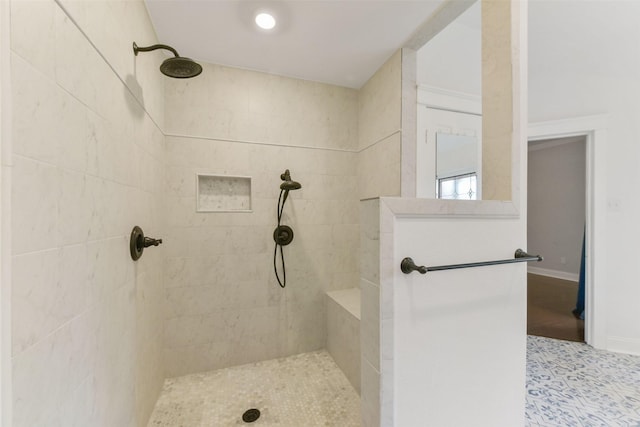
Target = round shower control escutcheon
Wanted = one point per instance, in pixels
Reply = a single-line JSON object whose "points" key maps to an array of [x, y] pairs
{"points": [[138, 242], [283, 235]]}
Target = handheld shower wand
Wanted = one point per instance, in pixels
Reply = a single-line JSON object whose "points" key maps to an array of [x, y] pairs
{"points": [[283, 234]]}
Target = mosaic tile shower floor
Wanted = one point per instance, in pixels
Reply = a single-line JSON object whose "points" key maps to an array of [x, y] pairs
{"points": [[302, 390], [571, 384]]}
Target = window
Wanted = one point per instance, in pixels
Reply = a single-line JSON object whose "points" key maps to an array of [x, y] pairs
{"points": [[459, 187]]}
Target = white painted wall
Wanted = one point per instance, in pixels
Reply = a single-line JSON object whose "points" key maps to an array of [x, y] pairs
{"points": [[459, 335], [556, 205], [584, 60]]}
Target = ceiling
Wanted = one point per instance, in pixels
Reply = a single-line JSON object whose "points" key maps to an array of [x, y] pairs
{"points": [[338, 42]]}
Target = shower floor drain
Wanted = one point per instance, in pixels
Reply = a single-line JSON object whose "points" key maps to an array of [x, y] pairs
{"points": [[250, 415]]}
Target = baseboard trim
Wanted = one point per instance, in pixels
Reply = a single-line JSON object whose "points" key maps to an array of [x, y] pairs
{"points": [[553, 273], [624, 345]]}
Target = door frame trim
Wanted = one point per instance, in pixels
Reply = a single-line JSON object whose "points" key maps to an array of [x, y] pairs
{"points": [[594, 128]]}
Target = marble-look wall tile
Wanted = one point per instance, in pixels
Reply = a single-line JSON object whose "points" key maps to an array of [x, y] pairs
{"points": [[114, 369], [204, 153], [223, 325], [194, 241], [181, 212], [107, 267], [387, 271], [379, 131], [202, 300], [75, 411], [370, 395], [370, 324], [77, 9], [35, 193], [149, 338], [198, 358], [373, 246], [33, 33], [88, 164], [305, 327], [50, 370], [74, 209], [225, 338], [497, 101], [409, 122], [233, 104], [201, 281], [112, 26], [379, 100], [343, 339], [36, 100], [379, 168], [370, 240], [386, 386], [340, 280], [149, 137], [49, 290], [209, 271], [387, 266], [71, 47]]}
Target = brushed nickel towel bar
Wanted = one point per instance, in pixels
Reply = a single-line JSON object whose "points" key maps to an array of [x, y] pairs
{"points": [[407, 265]]}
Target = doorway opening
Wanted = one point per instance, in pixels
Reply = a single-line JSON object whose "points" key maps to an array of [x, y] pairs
{"points": [[594, 128], [556, 224]]}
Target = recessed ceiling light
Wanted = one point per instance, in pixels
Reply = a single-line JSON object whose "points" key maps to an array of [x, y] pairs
{"points": [[265, 21]]}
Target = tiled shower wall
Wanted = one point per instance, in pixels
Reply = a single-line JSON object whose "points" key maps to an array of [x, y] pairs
{"points": [[380, 171], [88, 158], [223, 304], [379, 131]]}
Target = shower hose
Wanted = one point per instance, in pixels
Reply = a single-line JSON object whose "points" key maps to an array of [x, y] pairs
{"points": [[280, 209]]}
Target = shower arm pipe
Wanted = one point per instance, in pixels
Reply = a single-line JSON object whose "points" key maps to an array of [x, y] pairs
{"points": [[137, 49], [407, 265]]}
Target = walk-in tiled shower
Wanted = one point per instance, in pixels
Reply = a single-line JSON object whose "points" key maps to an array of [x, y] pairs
{"points": [[102, 142]]}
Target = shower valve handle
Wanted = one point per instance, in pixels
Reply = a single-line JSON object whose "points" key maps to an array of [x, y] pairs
{"points": [[138, 242], [148, 241]]}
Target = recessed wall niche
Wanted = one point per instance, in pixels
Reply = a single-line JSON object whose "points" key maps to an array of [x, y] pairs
{"points": [[220, 193]]}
